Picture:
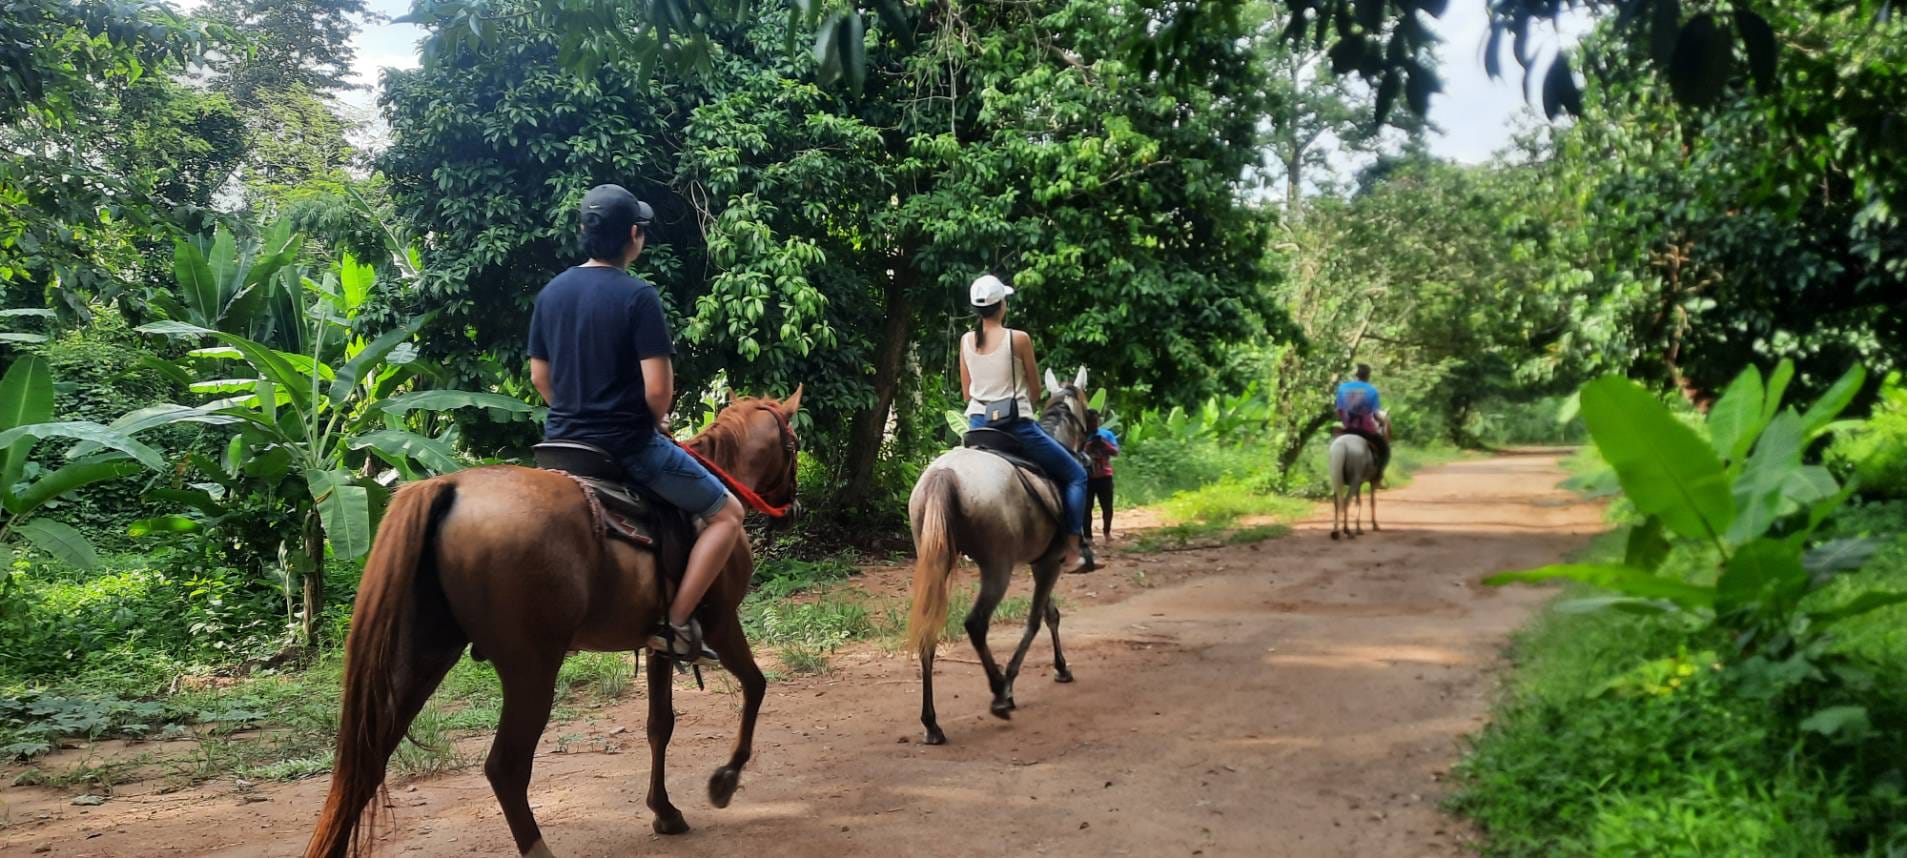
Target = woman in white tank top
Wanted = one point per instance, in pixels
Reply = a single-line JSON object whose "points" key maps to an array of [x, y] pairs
{"points": [[996, 363]]}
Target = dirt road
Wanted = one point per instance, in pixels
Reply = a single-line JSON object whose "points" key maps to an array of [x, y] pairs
{"points": [[1295, 698]]}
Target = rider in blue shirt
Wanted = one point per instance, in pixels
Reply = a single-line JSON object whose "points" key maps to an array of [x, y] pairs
{"points": [[1358, 407]]}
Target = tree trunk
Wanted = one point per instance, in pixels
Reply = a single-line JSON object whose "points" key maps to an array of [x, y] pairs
{"points": [[314, 575], [870, 425]]}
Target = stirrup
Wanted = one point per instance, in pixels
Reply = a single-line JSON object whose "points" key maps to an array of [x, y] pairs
{"points": [[694, 652]]}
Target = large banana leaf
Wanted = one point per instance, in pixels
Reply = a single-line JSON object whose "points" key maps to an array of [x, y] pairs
{"points": [[1735, 418], [66, 545], [1665, 468], [396, 445], [376, 351], [85, 472], [83, 430], [1618, 579], [196, 282], [1833, 402], [26, 396], [276, 367], [345, 508], [446, 400]]}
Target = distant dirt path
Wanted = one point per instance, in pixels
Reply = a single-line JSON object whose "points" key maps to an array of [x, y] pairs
{"points": [[1295, 698]]}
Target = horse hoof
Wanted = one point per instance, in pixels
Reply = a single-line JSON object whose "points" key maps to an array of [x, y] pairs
{"points": [[722, 786], [1003, 709], [935, 738], [1334, 536], [538, 850], [670, 824], [1063, 677]]}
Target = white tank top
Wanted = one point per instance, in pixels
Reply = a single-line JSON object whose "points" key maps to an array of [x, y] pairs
{"points": [[994, 376]]}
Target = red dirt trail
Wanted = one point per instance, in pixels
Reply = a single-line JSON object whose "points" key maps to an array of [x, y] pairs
{"points": [[1297, 697]]}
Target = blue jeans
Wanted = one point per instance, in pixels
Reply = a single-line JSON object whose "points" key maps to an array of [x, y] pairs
{"points": [[673, 475], [1057, 461]]}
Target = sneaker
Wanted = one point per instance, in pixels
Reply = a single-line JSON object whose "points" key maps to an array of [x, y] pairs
{"points": [[682, 643]]}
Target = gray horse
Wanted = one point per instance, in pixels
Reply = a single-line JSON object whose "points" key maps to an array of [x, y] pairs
{"points": [[974, 503], [1352, 466]]}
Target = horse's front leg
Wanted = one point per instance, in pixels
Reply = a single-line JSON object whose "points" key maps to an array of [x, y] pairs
{"points": [[731, 643], [661, 727], [993, 583]]}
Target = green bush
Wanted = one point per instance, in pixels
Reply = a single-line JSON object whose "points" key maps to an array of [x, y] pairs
{"points": [[99, 377], [1876, 452], [134, 623]]}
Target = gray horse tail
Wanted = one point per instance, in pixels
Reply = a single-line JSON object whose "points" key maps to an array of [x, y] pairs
{"points": [[933, 545]]}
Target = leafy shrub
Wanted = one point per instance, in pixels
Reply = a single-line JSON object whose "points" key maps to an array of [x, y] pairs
{"points": [[137, 617], [1876, 451]]}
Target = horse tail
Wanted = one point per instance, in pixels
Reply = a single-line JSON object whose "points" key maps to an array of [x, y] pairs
{"points": [[1340, 464], [933, 545], [374, 663]]}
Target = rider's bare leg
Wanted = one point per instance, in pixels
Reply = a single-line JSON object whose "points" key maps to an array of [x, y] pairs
{"points": [[713, 545]]}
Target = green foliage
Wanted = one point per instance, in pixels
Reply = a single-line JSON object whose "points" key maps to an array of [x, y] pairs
{"points": [[1753, 510], [1036, 153], [1876, 452]]}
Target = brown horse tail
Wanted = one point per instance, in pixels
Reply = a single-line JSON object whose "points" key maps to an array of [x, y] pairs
{"points": [[933, 542], [374, 658]]}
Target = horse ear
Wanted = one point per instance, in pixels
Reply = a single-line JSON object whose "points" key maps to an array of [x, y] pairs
{"points": [[1052, 382], [792, 404], [1080, 380]]}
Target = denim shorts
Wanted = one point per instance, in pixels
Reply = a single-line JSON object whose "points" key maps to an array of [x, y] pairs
{"points": [[673, 475]]}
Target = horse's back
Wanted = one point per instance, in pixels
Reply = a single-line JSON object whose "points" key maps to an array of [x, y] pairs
{"points": [[992, 508], [518, 550]]}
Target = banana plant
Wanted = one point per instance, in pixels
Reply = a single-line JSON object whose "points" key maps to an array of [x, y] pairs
{"points": [[1742, 505], [105, 452], [323, 419], [251, 289]]}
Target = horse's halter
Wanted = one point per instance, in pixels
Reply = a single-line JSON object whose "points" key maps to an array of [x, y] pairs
{"points": [[785, 488], [1063, 404]]}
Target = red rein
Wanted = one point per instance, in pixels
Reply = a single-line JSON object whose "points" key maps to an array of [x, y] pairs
{"points": [[746, 494]]}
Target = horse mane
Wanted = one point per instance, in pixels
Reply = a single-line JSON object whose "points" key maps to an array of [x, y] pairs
{"points": [[721, 442]]}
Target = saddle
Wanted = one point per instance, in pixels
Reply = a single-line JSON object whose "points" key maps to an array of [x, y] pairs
{"points": [[620, 510], [1002, 443]]}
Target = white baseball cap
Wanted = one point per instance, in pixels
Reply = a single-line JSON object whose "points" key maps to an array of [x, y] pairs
{"points": [[988, 291]]}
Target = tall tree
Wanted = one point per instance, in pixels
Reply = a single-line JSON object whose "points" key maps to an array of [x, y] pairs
{"points": [[815, 236], [290, 45]]}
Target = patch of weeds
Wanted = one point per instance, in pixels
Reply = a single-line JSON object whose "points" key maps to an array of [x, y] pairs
{"points": [[1223, 503], [1257, 533], [803, 661], [781, 577], [428, 748], [603, 675], [824, 623], [1176, 537], [293, 769]]}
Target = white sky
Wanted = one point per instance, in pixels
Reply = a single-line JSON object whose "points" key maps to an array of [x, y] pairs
{"points": [[1475, 115]]}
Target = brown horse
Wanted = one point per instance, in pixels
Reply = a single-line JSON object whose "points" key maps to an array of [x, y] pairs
{"points": [[508, 560]]}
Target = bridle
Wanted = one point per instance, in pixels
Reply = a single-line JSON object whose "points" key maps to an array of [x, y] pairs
{"points": [[1068, 413], [791, 446]]}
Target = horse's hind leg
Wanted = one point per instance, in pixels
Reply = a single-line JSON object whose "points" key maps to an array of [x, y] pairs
{"points": [[529, 689], [661, 727], [993, 584], [1045, 572], [731, 643], [927, 717], [1374, 526]]}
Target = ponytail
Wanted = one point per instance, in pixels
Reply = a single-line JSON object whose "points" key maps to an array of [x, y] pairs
{"points": [[981, 315]]}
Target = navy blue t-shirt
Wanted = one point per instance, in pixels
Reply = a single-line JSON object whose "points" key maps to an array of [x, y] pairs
{"points": [[595, 325]]}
